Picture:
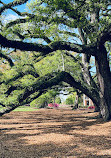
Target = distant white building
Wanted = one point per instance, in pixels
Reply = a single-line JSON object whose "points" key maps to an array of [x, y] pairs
{"points": [[87, 101]]}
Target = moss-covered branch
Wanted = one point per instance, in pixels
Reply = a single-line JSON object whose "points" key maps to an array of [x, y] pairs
{"points": [[50, 80], [8, 109], [12, 4], [7, 58], [43, 83], [13, 107], [46, 49]]}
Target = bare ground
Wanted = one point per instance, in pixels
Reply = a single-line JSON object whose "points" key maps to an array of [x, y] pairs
{"points": [[54, 133]]}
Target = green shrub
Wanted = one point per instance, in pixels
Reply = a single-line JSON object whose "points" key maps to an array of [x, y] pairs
{"points": [[58, 100], [41, 102], [69, 101]]}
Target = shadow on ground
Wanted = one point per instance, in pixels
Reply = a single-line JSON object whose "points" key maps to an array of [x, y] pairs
{"points": [[51, 133]]}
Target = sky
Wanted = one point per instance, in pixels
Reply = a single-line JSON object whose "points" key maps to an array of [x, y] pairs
{"points": [[10, 13], [19, 7]]}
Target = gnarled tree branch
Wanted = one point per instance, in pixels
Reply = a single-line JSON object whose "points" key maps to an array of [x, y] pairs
{"points": [[12, 4], [46, 49], [7, 58]]}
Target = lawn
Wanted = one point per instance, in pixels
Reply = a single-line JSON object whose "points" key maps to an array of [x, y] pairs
{"points": [[22, 108], [25, 108]]}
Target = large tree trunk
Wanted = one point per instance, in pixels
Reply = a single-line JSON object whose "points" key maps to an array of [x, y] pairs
{"points": [[97, 108], [85, 69], [104, 81], [87, 76]]}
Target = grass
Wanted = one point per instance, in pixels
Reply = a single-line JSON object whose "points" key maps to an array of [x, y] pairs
{"points": [[25, 108], [22, 108]]}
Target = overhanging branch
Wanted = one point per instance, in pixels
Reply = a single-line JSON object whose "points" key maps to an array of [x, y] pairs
{"points": [[7, 58], [12, 4], [12, 107], [46, 49], [50, 80]]}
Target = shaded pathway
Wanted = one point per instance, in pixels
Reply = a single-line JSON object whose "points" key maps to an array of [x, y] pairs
{"points": [[51, 133]]}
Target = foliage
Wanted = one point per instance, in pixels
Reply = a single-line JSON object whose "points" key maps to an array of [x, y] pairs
{"points": [[71, 98], [53, 105], [45, 99], [41, 102], [91, 107], [69, 101], [58, 100]]}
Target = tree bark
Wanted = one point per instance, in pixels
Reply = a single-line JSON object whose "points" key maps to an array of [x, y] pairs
{"points": [[104, 81], [85, 67]]}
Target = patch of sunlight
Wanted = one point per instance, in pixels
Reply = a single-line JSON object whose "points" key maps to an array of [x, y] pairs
{"points": [[47, 138]]}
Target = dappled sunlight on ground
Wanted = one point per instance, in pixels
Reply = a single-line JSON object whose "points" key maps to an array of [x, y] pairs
{"points": [[54, 133], [45, 138]]}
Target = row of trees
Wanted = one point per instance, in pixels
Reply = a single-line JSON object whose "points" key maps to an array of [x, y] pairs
{"points": [[78, 30]]}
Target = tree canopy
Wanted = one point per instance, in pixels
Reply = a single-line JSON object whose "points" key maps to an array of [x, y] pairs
{"points": [[76, 30]]}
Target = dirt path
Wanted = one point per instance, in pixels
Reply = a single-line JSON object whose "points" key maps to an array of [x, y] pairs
{"points": [[50, 133]]}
